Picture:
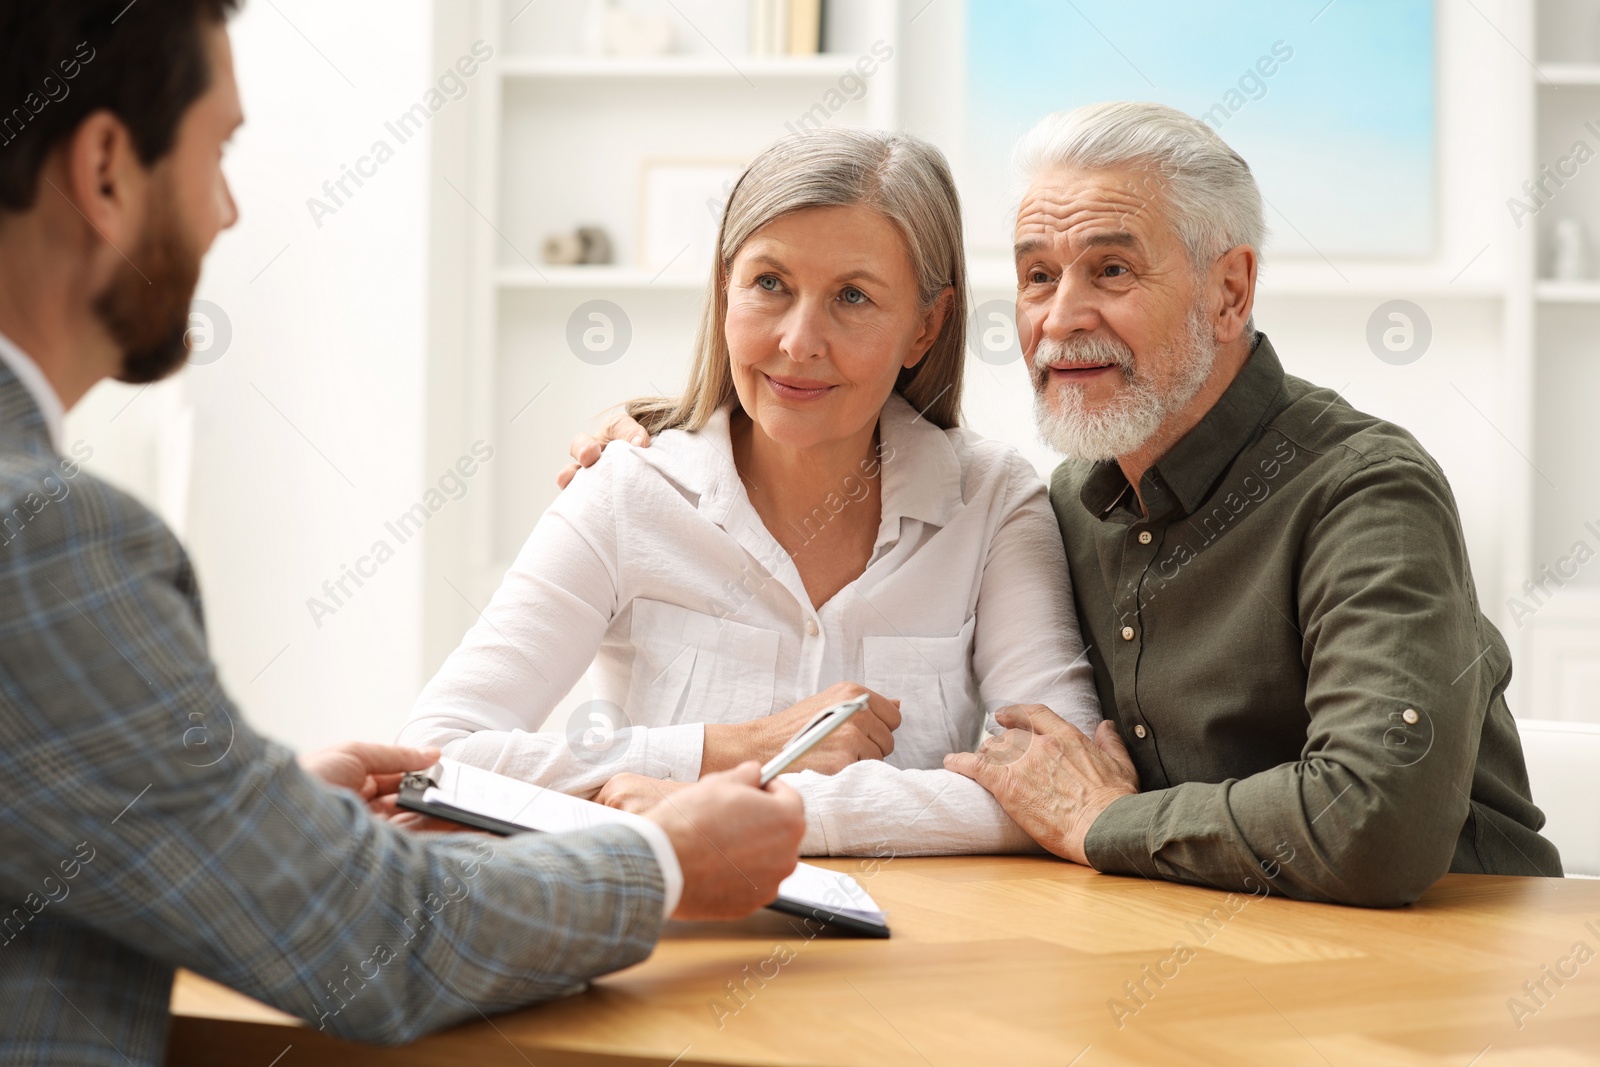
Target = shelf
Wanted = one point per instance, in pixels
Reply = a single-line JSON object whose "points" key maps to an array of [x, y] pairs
{"points": [[1550, 291], [1304, 278], [736, 68], [1567, 74], [570, 278], [1316, 278]]}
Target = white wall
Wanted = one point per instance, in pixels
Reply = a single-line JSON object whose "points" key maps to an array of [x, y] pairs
{"points": [[307, 431]]}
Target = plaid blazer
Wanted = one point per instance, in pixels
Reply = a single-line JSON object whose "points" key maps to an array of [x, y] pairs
{"points": [[144, 826]]}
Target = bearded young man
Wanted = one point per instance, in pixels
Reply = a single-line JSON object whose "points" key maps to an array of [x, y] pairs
{"points": [[1301, 691], [122, 855]]}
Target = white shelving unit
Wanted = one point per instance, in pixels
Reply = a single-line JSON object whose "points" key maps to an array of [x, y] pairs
{"points": [[754, 68], [607, 278], [1557, 646], [1549, 291], [1557, 74]]}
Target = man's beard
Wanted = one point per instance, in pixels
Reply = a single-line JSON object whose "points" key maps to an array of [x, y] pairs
{"points": [[146, 309], [1130, 419]]}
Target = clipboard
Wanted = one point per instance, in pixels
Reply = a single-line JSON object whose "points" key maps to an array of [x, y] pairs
{"points": [[414, 786], [792, 900]]}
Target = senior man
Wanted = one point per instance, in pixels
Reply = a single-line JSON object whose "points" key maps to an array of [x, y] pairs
{"points": [[1274, 586], [1302, 693]]}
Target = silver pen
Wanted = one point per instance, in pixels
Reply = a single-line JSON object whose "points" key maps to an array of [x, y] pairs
{"points": [[822, 724]]}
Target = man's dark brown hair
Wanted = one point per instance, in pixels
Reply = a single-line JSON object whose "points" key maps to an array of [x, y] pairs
{"points": [[62, 60]]}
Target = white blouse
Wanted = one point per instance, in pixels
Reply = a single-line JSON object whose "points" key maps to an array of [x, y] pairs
{"points": [[654, 565]]}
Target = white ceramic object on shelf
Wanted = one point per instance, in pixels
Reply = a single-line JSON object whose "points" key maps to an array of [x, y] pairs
{"points": [[1570, 262], [632, 35]]}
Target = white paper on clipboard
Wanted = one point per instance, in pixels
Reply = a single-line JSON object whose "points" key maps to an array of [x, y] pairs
{"points": [[496, 796]]}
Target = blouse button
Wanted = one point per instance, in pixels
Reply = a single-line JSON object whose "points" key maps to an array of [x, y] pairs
{"points": [[811, 627], [1144, 537], [1127, 633], [1139, 731]]}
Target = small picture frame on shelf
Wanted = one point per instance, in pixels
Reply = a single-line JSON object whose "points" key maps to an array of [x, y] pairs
{"points": [[680, 210]]}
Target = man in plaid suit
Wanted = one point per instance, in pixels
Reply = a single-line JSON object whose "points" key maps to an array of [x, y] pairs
{"points": [[126, 849]]}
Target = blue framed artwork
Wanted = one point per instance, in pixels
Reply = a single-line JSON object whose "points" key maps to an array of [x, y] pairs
{"points": [[1332, 104]]}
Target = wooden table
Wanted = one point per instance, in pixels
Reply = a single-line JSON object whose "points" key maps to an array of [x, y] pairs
{"points": [[1032, 961]]}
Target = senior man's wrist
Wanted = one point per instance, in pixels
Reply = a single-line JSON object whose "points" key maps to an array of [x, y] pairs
{"points": [[1118, 841]]}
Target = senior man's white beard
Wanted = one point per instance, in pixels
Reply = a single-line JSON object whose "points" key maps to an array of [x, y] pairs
{"points": [[1131, 418]]}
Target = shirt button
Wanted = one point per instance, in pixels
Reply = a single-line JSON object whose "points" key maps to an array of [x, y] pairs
{"points": [[1410, 716], [1139, 731], [811, 627], [1127, 633], [1144, 537]]}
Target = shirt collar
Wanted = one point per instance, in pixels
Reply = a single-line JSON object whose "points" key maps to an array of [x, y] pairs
{"points": [[1179, 482], [38, 386], [921, 473]]}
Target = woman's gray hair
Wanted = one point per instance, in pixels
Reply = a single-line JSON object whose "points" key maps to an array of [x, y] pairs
{"points": [[1208, 189], [903, 178]]}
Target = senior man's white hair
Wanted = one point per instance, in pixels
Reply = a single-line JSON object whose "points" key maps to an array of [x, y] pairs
{"points": [[1206, 187]]}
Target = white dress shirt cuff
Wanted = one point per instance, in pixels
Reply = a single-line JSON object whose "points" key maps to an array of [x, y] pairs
{"points": [[815, 842], [674, 752], [667, 857]]}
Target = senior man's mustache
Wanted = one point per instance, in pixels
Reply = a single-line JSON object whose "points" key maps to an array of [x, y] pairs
{"points": [[1080, 353]]}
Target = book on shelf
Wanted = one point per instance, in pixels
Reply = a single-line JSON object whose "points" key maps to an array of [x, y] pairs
{"points": [[805, 27], [785, 27]]}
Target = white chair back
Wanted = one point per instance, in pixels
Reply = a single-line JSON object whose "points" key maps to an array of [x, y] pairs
{"points": [[1564, 770]]}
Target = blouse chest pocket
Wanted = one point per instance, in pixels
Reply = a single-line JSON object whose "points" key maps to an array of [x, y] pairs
{"points": [[932, 678], [692, 667]]}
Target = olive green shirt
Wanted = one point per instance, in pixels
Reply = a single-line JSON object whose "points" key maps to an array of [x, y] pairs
{"points": [[1291, 645]]}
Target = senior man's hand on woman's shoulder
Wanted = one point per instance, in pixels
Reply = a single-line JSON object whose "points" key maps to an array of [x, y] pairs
{"points": [[586, 448], [1049, 777]]}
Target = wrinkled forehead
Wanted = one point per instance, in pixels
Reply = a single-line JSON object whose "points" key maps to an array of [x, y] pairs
{"points": [[1076, 207]]}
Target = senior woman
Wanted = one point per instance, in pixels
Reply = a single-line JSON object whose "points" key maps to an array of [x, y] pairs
{"points": [[809, 522]]}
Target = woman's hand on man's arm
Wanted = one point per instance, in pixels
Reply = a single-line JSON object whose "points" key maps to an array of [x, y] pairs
{"points": [[586, 448]]}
